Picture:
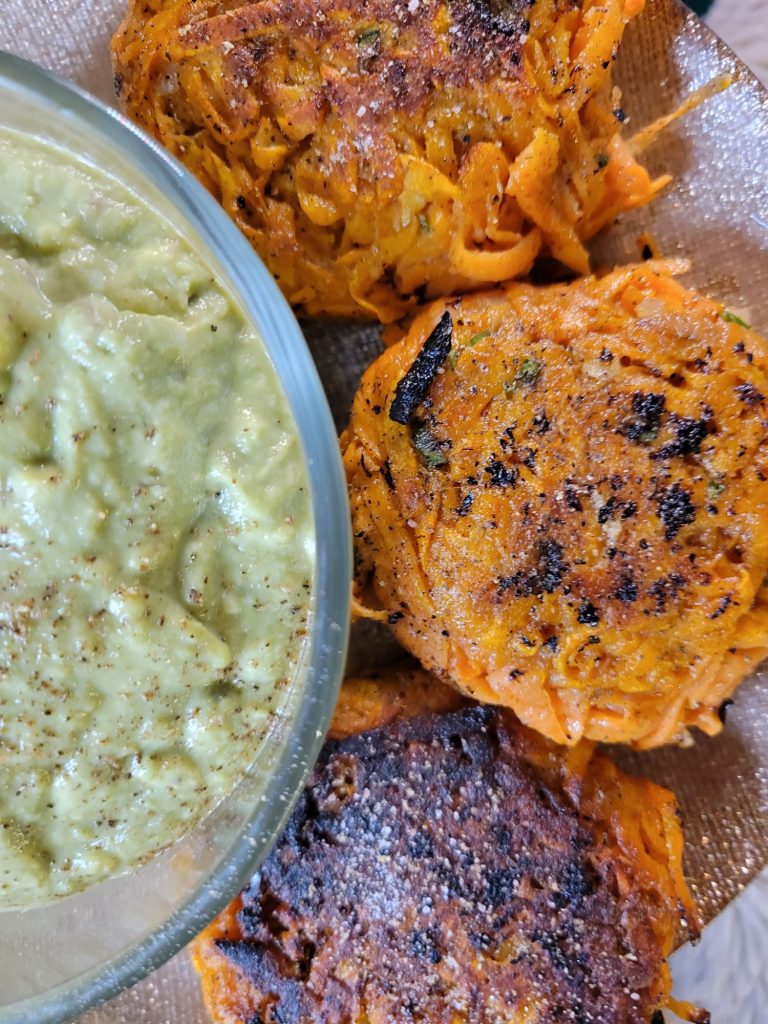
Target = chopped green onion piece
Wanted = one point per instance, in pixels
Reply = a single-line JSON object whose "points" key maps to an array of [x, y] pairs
{"points": [[526, 376], [424, 224], [478, 337], [428, 447], [529, 372], [714, 489], [731, 318], [371, 37]]}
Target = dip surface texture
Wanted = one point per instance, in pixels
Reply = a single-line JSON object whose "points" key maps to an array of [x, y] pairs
{"points": [[156, 536]]}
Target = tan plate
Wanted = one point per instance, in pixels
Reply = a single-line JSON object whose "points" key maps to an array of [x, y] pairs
{"points": [[716, 213]]}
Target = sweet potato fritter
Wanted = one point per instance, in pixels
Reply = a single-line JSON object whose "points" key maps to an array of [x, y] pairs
{"points": [[560, 502], [455, 868], [373, 149]]}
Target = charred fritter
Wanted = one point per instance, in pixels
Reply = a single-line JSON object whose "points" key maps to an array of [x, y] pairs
{"points": [[560, 502], [370, 150], [454, 868]]}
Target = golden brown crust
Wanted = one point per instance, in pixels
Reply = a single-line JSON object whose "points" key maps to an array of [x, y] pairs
{"points": [[372, 150], [452, 868], [379, 698], [572, 521]]}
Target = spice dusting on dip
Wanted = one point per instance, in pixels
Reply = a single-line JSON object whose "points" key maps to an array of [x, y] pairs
{"points": [[156, 535]]}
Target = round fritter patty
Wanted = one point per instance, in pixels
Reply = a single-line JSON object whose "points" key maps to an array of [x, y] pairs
{"points": [[560, 502], [373, 149], [455, 868]]}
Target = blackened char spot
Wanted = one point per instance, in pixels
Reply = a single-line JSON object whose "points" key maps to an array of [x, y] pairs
{"points": [[420, 846], [543, 577], [243, 954], [647, 410], [387, 474], [688, 435], [507, 440], [577, 880], [553, 944], [500, 885], [465, 506], [572, 498], [588, 614], [501, 475], [395, 77], [257, 50], [666, 589], [722, 607], [504, 16], [476, 20], [528, 458], [424, 946], [749, 394], [608, 510], [675, 509], [541, 422], [627, 589], [413, 387]]}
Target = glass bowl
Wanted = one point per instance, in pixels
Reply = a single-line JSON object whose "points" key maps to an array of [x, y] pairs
{"points": [[59, 959]]}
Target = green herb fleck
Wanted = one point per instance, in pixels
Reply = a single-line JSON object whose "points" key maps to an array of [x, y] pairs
{"points": [[424, 224], [369, 45], [371, 37], [714, 489], [478, 337], [529, 372], [602, 161], [526, 376], [731, 318], [428, 447]]}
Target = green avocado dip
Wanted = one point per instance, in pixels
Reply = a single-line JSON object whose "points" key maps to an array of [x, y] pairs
{"points": [[156, 534]]}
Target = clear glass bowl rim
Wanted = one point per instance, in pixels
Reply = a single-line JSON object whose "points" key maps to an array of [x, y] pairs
{"points": [[266, 307]]}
